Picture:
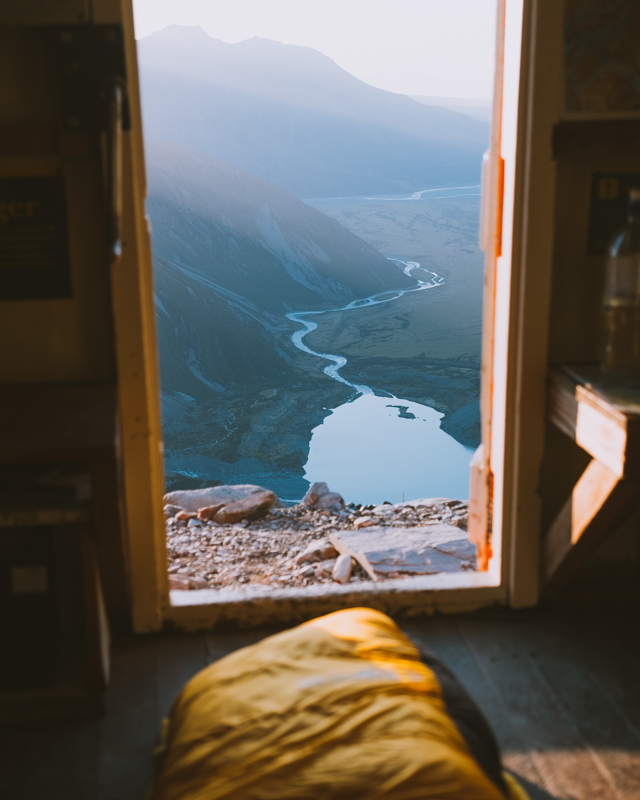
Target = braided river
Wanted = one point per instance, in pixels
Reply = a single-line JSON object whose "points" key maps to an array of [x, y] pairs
{"points": [[377, 448]]}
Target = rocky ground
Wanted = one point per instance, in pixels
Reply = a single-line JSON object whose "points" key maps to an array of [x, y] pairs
{"points": [[289, 547]]}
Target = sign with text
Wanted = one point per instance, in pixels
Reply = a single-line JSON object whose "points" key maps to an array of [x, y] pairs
{"points": [[34, 243]]}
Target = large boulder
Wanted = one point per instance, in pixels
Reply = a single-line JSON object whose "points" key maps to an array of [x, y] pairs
{"points": [[191, 500], [252, 507]]}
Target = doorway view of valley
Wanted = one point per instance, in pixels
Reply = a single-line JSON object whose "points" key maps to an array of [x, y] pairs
{"points": [[313, 176]]}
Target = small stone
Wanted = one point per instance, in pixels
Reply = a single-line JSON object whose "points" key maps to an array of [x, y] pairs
{"points": [[429, 502], [317, 551], [198, 583], [180, 582], [307, 572], [171, 511], [459, 521], [363, 522], [342, 569], [194, 523], [384, 509], [314, 493], [185, 515], [330, 500], [252, 507], [325, 568], [208, 512]]}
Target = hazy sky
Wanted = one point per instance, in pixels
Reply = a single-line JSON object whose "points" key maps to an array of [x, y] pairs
{"points": [[428, 47]]}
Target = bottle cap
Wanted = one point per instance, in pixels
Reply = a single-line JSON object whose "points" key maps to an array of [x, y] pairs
{"points": [[633, 206]]}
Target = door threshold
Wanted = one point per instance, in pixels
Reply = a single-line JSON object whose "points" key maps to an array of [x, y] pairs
{"points": [[204, 609]]}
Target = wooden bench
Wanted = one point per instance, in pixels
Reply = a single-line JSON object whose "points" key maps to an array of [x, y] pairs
{"points": [[603, 417]]}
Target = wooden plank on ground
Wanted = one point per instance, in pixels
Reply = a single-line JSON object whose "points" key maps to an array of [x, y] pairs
{"points": [[385, 552]]}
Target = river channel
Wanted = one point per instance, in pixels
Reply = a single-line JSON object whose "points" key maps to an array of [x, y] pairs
{"points": [[376, 448]]}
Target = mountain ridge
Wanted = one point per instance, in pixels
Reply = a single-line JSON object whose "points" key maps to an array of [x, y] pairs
{"points": [[294, 116]]}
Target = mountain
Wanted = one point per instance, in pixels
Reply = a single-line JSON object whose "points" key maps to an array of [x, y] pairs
{"points": [[479, 108], [295, 117], [233, 253]]}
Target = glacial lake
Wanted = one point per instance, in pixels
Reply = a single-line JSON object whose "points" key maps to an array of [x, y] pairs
{"points": [[369, 451]]}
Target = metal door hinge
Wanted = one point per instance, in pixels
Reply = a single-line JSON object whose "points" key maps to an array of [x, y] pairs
{"points": [[91, 58]]}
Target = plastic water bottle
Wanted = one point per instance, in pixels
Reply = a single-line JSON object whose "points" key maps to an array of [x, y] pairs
{"points": [[620, 353]]}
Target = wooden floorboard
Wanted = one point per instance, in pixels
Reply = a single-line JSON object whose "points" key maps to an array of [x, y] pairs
{"points": [[586, 703], [562, 693], [220, 644], [179, 658], [616, 668], [506, 656], [130, 730], [444, 638]]}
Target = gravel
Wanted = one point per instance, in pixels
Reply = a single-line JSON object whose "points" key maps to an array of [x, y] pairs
{"points": [[264, 552]]}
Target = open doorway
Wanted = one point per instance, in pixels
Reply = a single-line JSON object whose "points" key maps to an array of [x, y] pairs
{"points": [[318, 282]]}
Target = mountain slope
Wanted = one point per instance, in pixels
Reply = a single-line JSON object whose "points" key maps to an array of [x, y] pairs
{"points": [[232, 254], [293, 116]]}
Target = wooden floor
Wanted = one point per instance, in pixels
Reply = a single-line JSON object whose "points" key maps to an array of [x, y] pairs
{"points": [[562, 692]]}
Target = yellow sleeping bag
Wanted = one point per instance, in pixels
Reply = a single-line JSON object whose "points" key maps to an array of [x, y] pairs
{"points": [[340, 707]]}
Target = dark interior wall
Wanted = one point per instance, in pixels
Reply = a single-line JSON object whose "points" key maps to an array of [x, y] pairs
{"points": [[66, 337], [592, 146], [599, 133]]}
